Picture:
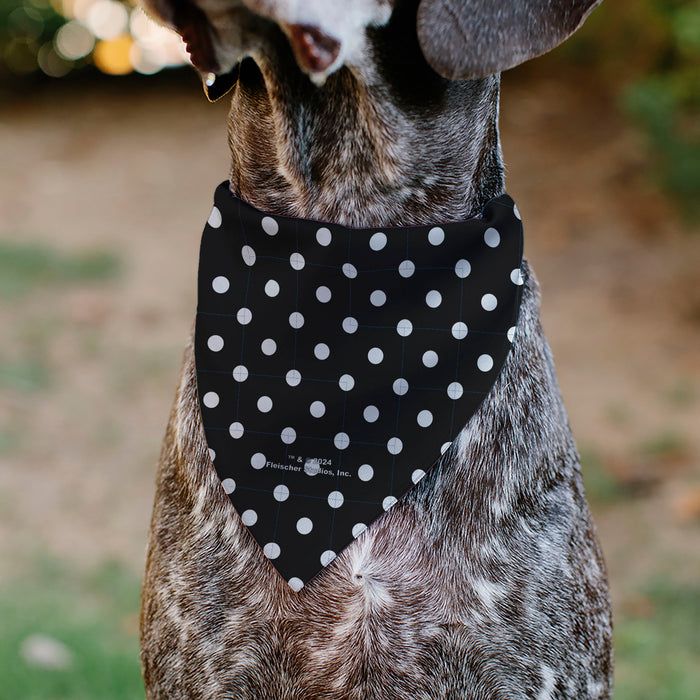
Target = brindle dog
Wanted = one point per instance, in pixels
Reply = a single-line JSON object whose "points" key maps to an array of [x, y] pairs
{"points": [[486, 579]]}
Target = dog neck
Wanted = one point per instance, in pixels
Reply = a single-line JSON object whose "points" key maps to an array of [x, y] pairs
{"points": [[388, 143]]}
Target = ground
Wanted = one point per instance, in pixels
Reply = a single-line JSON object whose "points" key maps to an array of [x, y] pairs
{"points": [[91, 345]]}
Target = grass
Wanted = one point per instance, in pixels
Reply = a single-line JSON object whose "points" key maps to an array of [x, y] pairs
{"points": [[25, 375], [601, 486], [665, 444], [658, 649], [95, 618], [25, 267]]}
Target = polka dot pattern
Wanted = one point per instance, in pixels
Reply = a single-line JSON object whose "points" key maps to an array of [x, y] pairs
{"points": [[336, 365], [324, 236], [220, 284], [214, 218]]}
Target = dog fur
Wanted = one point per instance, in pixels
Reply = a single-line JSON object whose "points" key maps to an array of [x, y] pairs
{"points": [[485, 580]]}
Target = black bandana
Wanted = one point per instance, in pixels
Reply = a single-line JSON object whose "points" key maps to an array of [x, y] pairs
{"points": [[335, 365]]}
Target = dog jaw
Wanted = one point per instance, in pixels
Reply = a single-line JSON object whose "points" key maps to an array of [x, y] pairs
{"points": [[323, 34]]}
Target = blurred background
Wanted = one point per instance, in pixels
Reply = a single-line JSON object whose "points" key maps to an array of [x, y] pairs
{"points": [[109, 155]]}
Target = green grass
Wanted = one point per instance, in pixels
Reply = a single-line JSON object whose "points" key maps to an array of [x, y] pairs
{"points": [[94, 618], [667, 443], [658, 652], [601, 486], [25, 376], [25, 267]]}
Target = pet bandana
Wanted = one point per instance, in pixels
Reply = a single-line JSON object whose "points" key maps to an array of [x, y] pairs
{"points": [[336, 364]]}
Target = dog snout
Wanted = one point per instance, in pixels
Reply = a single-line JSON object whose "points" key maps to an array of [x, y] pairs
{"points": [[315, 51]]}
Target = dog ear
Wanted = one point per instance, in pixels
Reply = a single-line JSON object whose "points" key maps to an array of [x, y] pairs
{"points": [[463, 39]]}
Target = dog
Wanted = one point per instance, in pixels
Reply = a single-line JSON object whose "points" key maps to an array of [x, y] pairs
{"points": [[486, 579]]}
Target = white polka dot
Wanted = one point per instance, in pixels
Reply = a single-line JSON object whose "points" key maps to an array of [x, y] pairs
{"points": [[211, 399], [264, 404], [377, 298], [296, 584], [424, 418], [258, 460], [304, 526], [220, 284], [244, 316], [335, 499], [370, 414], [394, 446], [417, 475], [249, 517], [489, 302], [436, 236], [312, 467], [511, 334], [270, 226], [350, 324], [248, 255], [433, 298], [375, 356], [296, 260], [516, 276], [214, 219], [212, 454], [296, 320], [268, 346], [460, 330], [492, 238], [317, 409], [281, 492], [272, 550], [388, 502], [463, 268], [358, 529], [430, 358], [341, 440], [322, 351], [327, 557], [323, 236], [229, 485], [455, 390], [272, 288], [516, 211], [485, 363], [346, 382], [240, 373], [236, 430], [400, 386], [377, 241], [406, 268], [293, 377], [323, 294], [444, 447], [404, 327], [349, 270], [215, 343], [365, 472], [288, 435]]}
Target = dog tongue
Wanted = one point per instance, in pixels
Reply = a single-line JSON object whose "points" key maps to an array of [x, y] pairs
{"points": [[314, 50]]}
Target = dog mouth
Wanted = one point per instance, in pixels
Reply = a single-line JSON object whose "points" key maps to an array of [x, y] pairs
{"points": [[315, 51]]}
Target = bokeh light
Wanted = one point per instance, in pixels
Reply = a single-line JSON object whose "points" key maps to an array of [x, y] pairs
{"points": [[58, 36], [73, 41], [112, 55], [107, 19]]}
